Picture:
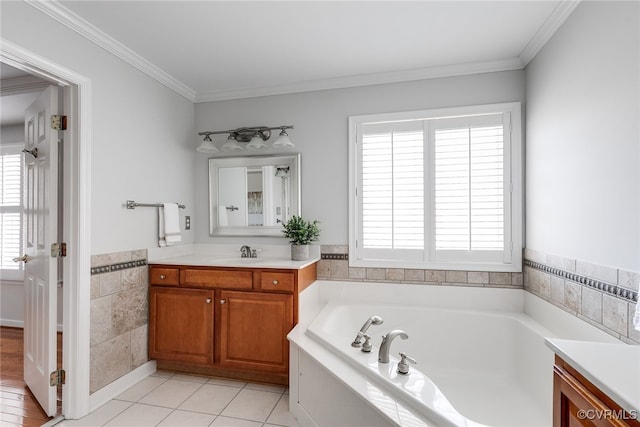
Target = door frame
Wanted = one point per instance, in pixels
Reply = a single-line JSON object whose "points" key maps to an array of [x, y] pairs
{"points": [[76, 205]]}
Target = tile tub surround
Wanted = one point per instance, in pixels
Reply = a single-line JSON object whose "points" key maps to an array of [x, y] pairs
{"points": [[119, 315], [600, 295], [334, 265]]}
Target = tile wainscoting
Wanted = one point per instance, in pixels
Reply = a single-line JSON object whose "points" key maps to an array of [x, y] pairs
{"points": [[334, 265], [600, 295], [119, 315]]}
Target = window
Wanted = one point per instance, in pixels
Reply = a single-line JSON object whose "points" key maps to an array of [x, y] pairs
{"points": [[437, 189], [11, 211]]}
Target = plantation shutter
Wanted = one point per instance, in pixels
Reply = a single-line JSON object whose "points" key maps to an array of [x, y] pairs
{"points": [[10, 207], [392, 185], [469, 188]]}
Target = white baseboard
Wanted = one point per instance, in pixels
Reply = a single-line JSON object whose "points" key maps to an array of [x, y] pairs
{"points": [[20, 324], [12, 323], [114, 389]]}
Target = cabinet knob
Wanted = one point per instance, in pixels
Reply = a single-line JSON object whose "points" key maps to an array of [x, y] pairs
{"points": [[222, 301], [275, 282], [208, 300], [162, 277]]}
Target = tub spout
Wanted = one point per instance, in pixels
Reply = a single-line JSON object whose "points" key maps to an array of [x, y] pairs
{"points": [[383, 353], [373, 320]]}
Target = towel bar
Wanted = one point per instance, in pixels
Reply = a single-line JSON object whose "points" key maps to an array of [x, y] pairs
{"points": [[132, 205]]}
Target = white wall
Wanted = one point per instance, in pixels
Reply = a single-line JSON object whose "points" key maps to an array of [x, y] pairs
{"points": [[321, 133], [582, 148], [142, 132], [11, 134]]}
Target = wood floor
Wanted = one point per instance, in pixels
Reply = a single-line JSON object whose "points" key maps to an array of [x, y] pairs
{"points": [[18, 407]]}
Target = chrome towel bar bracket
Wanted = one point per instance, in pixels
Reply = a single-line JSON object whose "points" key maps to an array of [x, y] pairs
{"points": [[132, 205]]}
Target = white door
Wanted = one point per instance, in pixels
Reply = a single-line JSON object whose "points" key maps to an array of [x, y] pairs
{"points": [[232, 197], [41, 230]]}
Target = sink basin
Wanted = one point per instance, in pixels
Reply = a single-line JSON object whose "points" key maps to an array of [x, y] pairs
{"points": [[239, 260]]}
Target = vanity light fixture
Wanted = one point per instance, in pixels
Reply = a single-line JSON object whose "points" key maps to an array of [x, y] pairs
{"points": [[207, 146], [255, 136]]}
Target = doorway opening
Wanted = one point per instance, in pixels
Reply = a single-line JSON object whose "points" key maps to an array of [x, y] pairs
{"points": [[74, 223]]}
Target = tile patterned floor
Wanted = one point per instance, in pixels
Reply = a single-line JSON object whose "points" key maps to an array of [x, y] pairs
{"points": [[167, 399]]}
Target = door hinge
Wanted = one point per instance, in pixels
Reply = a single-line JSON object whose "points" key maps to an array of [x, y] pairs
{"points": [[59, 122], [58, 250], [57, 377]]}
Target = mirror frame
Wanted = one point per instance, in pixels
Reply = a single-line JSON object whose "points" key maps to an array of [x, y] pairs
{"points": [[291, 160]]}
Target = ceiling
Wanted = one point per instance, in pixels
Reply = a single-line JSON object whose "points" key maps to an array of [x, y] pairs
{"points": [[213, 50]]}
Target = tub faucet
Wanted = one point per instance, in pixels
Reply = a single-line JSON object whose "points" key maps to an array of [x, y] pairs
{"points": [[373, 320], [383, 353]]}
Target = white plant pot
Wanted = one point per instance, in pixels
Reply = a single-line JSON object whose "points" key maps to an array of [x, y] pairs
{"points": [[299, 252]]}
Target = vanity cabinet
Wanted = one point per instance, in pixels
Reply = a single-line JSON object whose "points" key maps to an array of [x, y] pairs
{"points": [[577, 402], [230, 322], [181, 324], [253, 330]]}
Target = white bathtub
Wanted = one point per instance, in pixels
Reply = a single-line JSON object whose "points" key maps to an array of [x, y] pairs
{"points": [[480, 352]]}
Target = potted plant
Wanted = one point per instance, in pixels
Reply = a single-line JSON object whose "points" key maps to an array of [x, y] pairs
{"points": [[300, 233]]}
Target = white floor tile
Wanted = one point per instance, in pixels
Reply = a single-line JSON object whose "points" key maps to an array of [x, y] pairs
{"points": [[224, 381], [139, 416], [188, 377], [171, 393], [163, 374], [139, 390], [254, 405], [184, 418], [234, 422], [210, 399], [100, 416], [281, 415], [266, 387]]}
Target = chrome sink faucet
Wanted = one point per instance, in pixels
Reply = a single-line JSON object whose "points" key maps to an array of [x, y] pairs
{"points": [[383, 353], [373, 320], [247, 252]]}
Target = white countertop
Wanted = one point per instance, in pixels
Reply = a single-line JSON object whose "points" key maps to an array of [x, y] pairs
{"points": [[613, 368], [228, 255], [218, 261]]}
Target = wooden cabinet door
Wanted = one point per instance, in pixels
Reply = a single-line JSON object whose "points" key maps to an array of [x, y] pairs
{"points": [[578, 403], [181, 325], [253, 330]]}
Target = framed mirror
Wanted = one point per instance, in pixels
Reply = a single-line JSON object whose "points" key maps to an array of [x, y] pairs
{"points": [[252, 196]]}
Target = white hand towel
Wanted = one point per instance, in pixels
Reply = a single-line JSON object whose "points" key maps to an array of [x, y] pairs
{"points": [[168, 225]]}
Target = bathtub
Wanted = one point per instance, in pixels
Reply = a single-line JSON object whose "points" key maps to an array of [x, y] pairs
{"points": [[481, 357]]}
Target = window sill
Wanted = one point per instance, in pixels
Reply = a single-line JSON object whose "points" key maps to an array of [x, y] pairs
{"points": [[515, 267]]}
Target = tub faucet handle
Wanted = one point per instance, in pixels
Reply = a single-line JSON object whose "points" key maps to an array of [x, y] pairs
{"points": [[373, 320], [403, 366], [367, 346]]}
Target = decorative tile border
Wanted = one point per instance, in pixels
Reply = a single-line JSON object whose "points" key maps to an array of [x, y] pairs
{"points": [[339, 257], [117, 267], [607, 288], [334, 265]]}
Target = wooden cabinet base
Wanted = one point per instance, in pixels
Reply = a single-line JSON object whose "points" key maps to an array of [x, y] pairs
{"points": [[579, 403], [226, 322], [252, 376]]}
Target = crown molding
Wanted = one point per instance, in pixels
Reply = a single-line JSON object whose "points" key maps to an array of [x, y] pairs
{"points": [[18, 85], [363, 80], [71, 20], [548, 29]]}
